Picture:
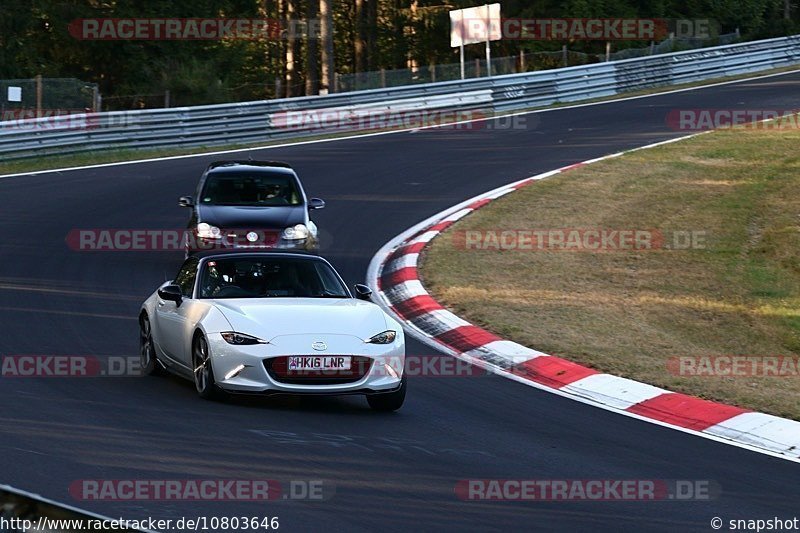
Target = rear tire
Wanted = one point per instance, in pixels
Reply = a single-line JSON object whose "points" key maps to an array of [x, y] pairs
{"points": [[147, 349], [390, 401]]}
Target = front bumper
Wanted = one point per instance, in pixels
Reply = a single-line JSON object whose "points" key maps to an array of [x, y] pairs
{"points": [[257, 368]]}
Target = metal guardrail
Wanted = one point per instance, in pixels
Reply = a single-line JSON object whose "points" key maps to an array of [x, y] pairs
{"points": [[518, 63], [253, 122], [21, 511]]}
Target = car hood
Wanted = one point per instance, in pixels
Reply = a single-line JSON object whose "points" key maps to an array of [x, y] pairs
{"points": [[251, 217], [268, 318]]}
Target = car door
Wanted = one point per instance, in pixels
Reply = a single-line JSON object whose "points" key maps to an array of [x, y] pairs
{"points": [[173, 318]]}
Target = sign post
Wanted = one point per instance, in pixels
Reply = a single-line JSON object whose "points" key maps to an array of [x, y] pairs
{"points": [[488, 48], [475, 25], [461, 44]]}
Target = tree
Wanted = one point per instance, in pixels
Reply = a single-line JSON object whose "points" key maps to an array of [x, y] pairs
{"points": [[36, 37], [372, 34], [359, 38], [326, 35], [312, 49], [291, 49]]}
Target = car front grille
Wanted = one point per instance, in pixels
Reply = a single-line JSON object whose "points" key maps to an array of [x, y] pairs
{"points": [[277, 368], [238, 238]]}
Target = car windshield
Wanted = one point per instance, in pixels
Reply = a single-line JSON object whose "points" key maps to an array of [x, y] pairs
{"points": [[262, 189], [269, 278]]}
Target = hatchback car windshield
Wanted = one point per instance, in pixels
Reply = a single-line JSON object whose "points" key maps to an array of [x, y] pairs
{"points": [[265, 189], [269, 278]]}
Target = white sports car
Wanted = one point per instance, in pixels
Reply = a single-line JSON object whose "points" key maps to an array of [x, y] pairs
{"points": [[272, 322]]}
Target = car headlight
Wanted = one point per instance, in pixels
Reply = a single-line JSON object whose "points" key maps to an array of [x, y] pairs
{"points": [[295, 233], [207, 231], [386, 337], [240, 339]]}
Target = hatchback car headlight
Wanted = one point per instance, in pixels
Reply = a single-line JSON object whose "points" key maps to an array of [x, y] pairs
{"points": [[207, 231], [240, 339], [295, 233], [386, 337]]}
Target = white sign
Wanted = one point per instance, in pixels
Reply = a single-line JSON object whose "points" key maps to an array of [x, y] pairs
{"points": [[15, 94], [475, 25]]}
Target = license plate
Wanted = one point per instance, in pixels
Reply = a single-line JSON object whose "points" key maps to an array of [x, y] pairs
{"points": [[327, 362]]}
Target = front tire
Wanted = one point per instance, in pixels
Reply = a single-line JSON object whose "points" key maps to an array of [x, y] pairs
{"points": [[390, 401], [203, 372], [147, 349]]}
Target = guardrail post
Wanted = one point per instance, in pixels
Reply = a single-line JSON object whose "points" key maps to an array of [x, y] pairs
{"points": [[38, 80], [564, 57]]}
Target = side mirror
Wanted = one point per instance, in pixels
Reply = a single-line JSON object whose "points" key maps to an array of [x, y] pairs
{"points": [[363, 292], [316, 203], [185, 201], [171, 293]]}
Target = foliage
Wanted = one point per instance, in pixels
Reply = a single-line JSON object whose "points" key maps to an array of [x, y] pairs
{"points": [[35, 40]]}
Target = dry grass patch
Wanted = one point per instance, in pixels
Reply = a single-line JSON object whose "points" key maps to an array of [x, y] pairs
{"points": [[629, 312]]}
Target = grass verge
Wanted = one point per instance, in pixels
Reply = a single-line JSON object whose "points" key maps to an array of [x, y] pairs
{"points": [[735, 291]]}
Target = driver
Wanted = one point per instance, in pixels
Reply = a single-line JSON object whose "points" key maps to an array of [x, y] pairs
{"points": [[271, 191]]}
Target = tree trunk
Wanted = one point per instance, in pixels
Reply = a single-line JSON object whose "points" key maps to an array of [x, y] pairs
{"points": [[279, 51], [400, 44], [312, 49], [326, 35], [291, 49], [359, 39], [268, 82], [372, 34]]}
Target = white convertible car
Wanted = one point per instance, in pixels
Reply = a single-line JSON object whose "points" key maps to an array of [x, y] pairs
{"points": [[269, 322]]}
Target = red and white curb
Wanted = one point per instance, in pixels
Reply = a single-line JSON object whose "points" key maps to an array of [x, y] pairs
{"points": [[394, 277]]}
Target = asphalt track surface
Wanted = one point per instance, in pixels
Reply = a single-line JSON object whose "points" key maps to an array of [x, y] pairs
{"points": [[391, 472]]}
